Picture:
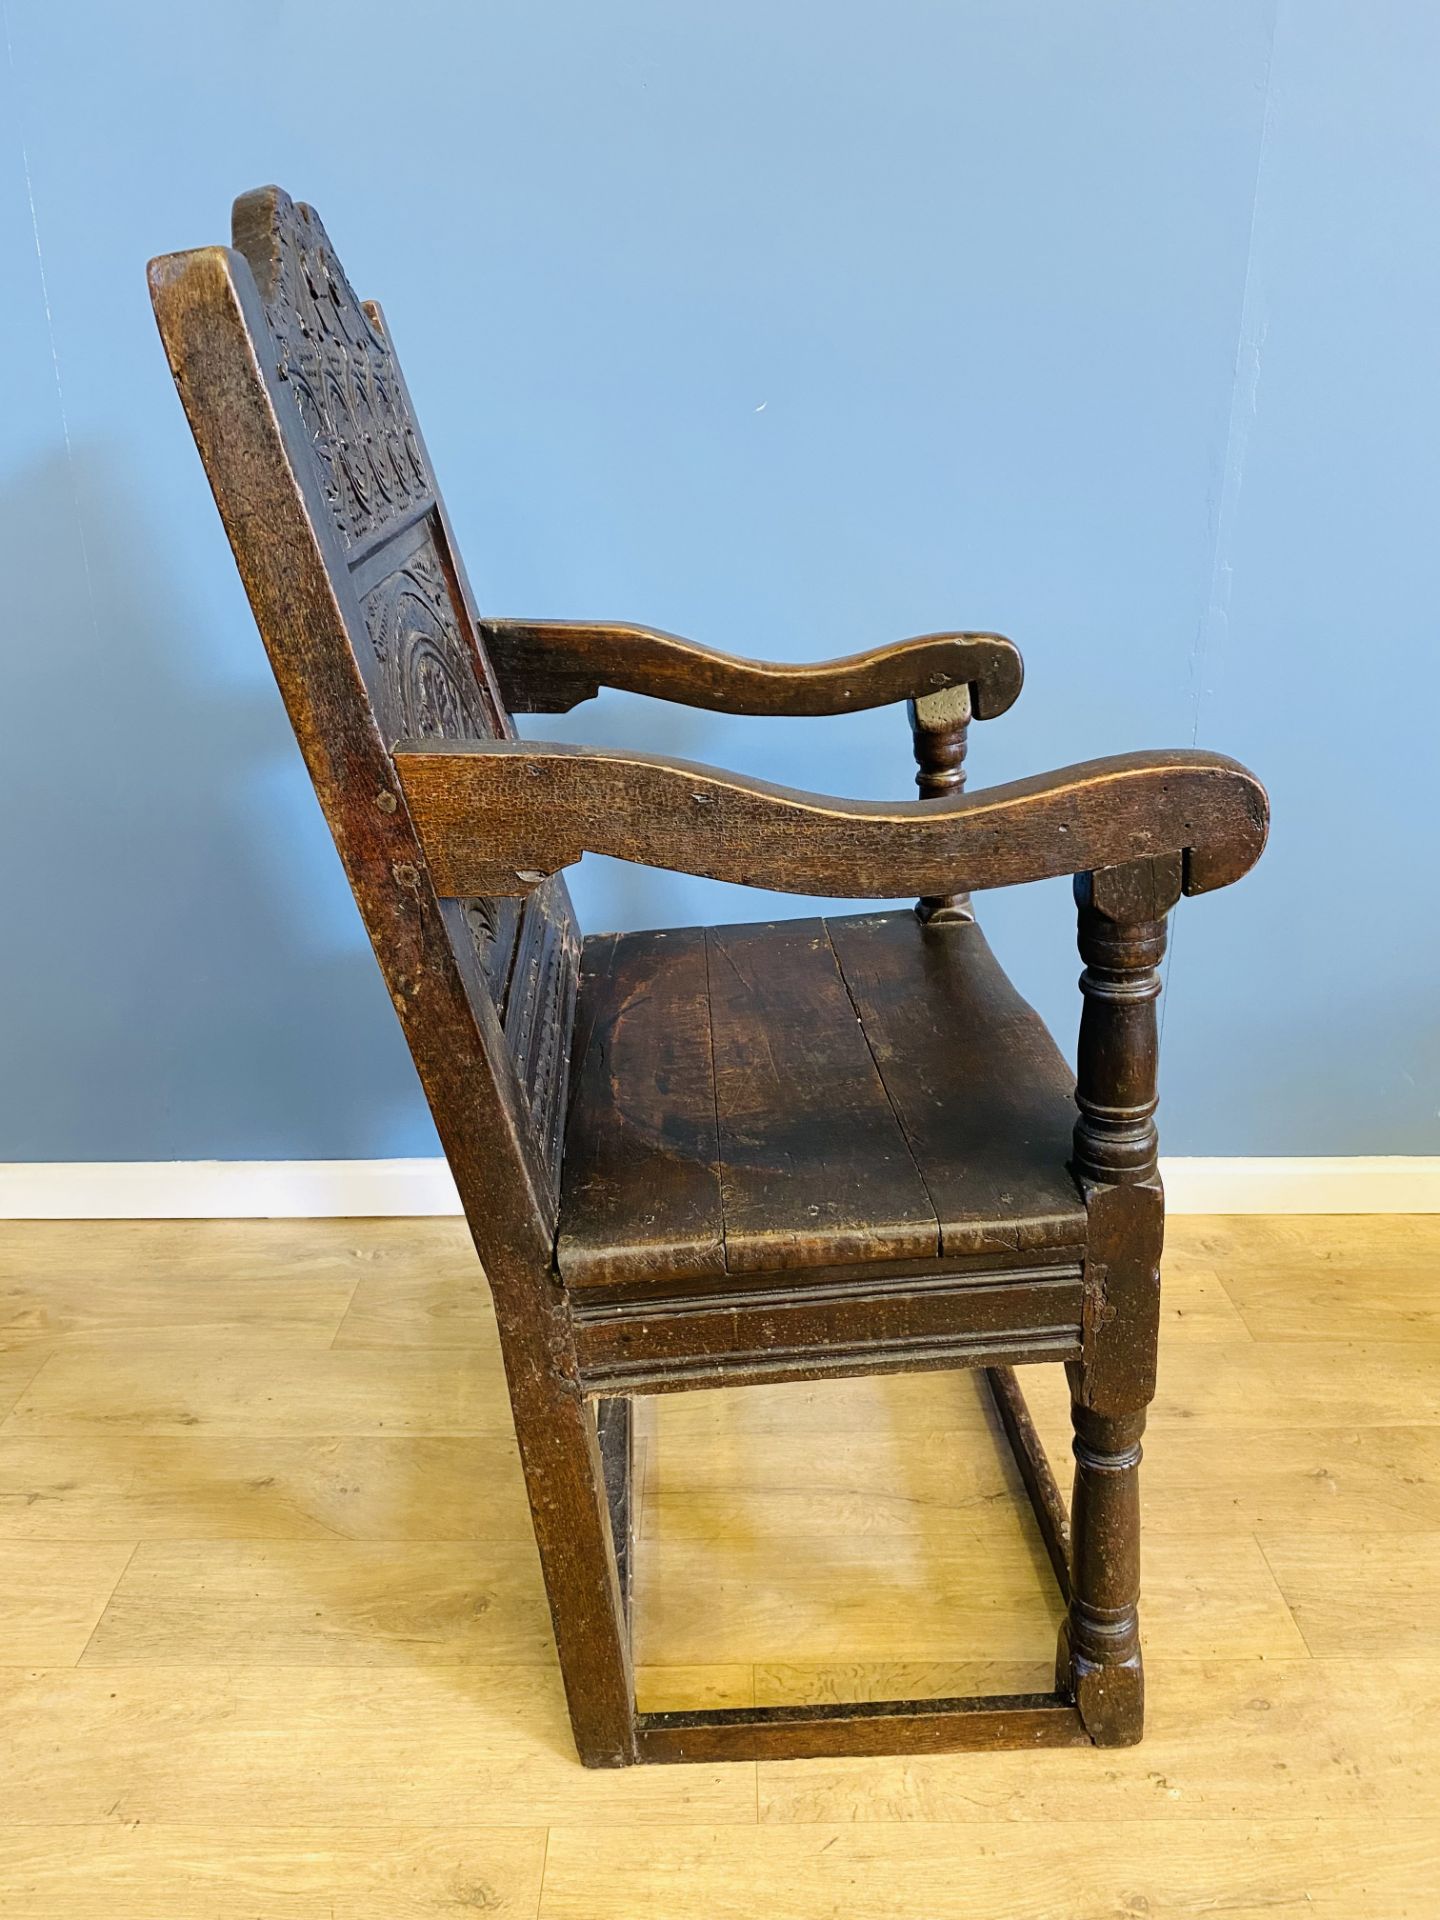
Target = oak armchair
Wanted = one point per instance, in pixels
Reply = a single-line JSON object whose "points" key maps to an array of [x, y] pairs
{"points": [[705, 1156]]}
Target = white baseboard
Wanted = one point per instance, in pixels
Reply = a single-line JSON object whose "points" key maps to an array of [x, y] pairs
{"points": [[224, 1189], [1318, 1183], [310, 1189]]}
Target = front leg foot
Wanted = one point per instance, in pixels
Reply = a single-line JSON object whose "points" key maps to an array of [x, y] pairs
{"points": [[1111, 1699]]}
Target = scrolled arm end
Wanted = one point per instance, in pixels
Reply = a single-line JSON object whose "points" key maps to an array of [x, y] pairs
{"points": [[496, 816]]}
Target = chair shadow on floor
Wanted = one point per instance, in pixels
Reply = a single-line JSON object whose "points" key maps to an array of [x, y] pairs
{"points": [[347, 1492], [841, 1571]]}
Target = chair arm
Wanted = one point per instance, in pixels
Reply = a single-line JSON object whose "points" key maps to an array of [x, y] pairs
{"points": [[495, 817], [549, 666]]}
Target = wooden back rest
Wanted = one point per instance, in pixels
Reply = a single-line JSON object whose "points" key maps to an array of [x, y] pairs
{"points": [[312, 449]]}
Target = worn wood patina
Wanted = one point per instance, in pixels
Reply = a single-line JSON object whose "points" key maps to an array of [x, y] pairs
{"points": [[705, 1156]]}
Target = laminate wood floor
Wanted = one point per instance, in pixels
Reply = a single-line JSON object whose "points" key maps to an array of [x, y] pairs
{"points": [[273, 1641]]}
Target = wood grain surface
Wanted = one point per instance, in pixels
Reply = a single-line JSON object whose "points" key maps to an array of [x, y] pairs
{"points": [[500, 815], [265, 1655], [809, 1092], [548, 666]]}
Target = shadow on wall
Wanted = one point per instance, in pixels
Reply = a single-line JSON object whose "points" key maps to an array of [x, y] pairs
{"points": [[178, 909]]}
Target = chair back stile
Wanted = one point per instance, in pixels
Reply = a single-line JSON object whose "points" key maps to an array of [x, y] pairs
{"points": [[318, 466]]}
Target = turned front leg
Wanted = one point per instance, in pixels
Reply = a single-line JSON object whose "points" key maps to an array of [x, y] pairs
{"points": [[1100, 1647], [940, 728], [1122, 941]]}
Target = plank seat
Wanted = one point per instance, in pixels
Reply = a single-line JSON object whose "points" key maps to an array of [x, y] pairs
{"points": [[808, 1093]]}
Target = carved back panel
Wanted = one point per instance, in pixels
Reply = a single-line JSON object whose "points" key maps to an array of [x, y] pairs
{"points": [[355, 452]]}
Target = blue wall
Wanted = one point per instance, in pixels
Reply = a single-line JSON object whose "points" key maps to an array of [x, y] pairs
{"points": [[793, 327]]}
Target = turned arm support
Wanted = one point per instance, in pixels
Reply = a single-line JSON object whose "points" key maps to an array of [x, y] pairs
{"points": [[549, 666], [495, 817], [940, 729]]}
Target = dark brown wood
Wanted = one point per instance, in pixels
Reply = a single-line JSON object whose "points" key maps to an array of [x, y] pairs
{"points": [[301, 417], [499, 816], [814, 1166], [1122, 914], [940, 730], [979, 1267], [1100, 1644], [981, 1091], [699, 1157], [1035, 1471], [549, 666], [393, 564], [1122, 941], [1116, 1146], [882, 1093], [867, 1727], [615, 1432], [641, 1193], [822, 1328]]}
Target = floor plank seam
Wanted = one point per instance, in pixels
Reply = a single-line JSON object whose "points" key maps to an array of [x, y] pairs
{"points": [[340, 1324], [544, 1869], [1284, 1597], [109, 1602], [30, 1380]]}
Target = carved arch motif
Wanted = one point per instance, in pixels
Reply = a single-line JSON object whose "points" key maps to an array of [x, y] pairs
{"points": [[339, 367], [426, 689]]}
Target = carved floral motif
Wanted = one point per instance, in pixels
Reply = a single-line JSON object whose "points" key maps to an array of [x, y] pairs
{"points": [[344, 379]]}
